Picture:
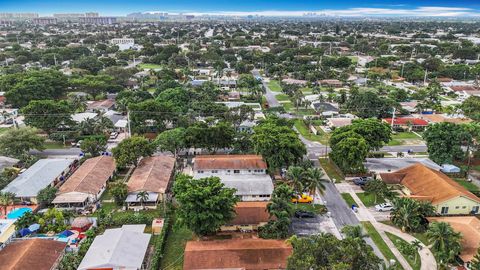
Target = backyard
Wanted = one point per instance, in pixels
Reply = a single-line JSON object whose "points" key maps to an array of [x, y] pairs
{"points": [[175, 247]]}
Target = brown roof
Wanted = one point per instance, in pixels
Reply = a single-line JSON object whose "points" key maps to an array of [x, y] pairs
{"points": [[392, 178], [152, 174], [250, 213], [249, 254], [464, 88], [101, 104], [234, 162], [91, 177], [439, 118], [424, 182], [469, 227], [39, 254]]}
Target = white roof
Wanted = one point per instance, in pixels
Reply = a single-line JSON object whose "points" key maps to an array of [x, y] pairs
{"points": [[80, 117], [122, 248], [245, 184], [121, 123], [37, 177]]}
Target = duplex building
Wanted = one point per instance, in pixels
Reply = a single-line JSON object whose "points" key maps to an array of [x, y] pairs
{"points": [[245, 173], [249, 216]]}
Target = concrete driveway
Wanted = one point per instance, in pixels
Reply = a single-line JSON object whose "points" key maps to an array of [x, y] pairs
{"points": [[312, 226]]}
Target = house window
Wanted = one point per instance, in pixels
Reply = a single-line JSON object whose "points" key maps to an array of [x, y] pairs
{"points": [[236, 171], [444, 210], [464, 207], [214, 171], [457, 207], [475, 209], [199, 171]]}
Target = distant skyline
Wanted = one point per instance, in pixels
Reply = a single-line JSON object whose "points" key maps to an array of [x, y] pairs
{"points": [[461, 8]]}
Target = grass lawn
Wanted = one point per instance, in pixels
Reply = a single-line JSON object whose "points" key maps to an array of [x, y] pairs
{"points": [[149, 66], [422, 237], [282, 97], [3, 130], [322, 137], [405, 136], [315, 208], [55, 145], [398, 242], [382, 246], [274, 86], [468, 185], [175, 247], [369, 199], [395, 143], [331, 171], [306, 90], [348, 199]]}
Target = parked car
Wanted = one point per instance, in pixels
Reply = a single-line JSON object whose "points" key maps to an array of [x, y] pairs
{"points": [[361, 181], [384, 207], [304, 214], [77, 144], [304, 198], [113, 135]]}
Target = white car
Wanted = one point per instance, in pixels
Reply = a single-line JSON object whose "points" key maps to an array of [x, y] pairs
{"points": [[384, 207], [113, 135]]}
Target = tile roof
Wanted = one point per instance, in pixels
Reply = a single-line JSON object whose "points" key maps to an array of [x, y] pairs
{"points": [[91, 176], [152, 174], [249, 213], [426, 183], [233, 162], [469, 227], [406, 121], [252, 254], [39, 254]]}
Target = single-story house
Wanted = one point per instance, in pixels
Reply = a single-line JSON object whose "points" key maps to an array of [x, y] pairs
{"points": [[332, 82], [100, 105], [44, 173], [6, 162], [383, 165], [251, 254], [327, 109], [336, 122], [153, 175], [426, 184], [294, 81], [120, 248], [469, 227], [248, 217], [82, 117], [440, 118], [86, 184], [36, 253], [7, 231], [407, 123]]}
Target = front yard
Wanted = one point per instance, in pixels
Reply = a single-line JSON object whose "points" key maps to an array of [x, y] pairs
{"points": [[368, 199], [331, 170], [322, 137]]}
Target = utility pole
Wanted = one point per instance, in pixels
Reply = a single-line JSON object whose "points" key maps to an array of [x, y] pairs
{"points": [[55, 59], [128, 124], [425, 77], [393, 117]]}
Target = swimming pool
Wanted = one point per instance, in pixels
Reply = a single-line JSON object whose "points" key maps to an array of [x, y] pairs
{"points": [[19, 212]]}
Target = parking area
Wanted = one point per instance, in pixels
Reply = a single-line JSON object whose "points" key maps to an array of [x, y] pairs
{"points": [[316, 225]]}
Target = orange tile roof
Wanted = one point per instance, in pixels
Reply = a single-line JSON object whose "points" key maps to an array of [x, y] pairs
{"points": [[469, 227], [152, 174], [92, 175], [234, 162], [39, 254], [429, 184], [251, 254], [250, 213]]}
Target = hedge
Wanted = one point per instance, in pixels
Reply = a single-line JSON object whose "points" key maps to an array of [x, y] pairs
{"points": [[160, 243]]}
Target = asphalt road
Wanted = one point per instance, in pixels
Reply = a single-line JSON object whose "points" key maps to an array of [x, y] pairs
{"points": [[57, 152], [269, 94]]}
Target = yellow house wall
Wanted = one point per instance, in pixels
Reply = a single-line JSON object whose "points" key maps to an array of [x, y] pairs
{"points": [[6, 234], [459, 202]]}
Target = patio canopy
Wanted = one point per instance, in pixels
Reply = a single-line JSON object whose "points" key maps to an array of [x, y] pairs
{"points": [[132, 197]]}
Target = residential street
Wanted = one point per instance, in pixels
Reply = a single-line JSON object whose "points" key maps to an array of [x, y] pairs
{"points": [[269, 95]]}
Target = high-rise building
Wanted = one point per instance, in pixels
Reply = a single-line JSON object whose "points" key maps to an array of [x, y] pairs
{"points": [[98, 20], [5, 15], [45, 20]]}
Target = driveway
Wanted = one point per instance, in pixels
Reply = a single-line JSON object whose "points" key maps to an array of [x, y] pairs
{"points": [[312, 226]]}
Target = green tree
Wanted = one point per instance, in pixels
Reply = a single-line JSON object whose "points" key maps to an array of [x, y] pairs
{"points": [[444, 141], [282, 209], [17, 142], [445, 242], [349, 154], [475, 263], [6, 199], [89, 63], [204, 204], [129, 151], [172, 140], [142, 197], [378, 188], [354, 232], [296, 177], [95, 84], [119, 191], [410, 215], [94, 145], [48, 115], [315, 180], [471, 107], [46, 195]]}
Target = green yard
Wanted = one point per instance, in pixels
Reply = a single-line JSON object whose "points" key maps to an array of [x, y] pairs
{"points": [[468, 185], [368, 199], [282, 97], [3, 130], [274, 86], [175, 247], [348, 199], [405, 136], [331, 171], [55, 145], [414, 261], [315, 208], [149, 66], [382, 246], [322, 137]]}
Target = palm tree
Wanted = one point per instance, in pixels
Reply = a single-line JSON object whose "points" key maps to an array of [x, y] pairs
{"points": [[142, 196], [296, 176], [354, 232], [315, 181], [445, 241], [417, 245], [406, 214], [6, 199]]}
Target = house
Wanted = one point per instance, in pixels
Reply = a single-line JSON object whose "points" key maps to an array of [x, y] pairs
{"points": [[153, 175], [82, 117], [100, 105], [469, 227], [120, 248], [426, 184], [407, 123], [325, 108], [36, 253], [440, 118], [336, 122], [251, 254], [249, 216], [383, 165], [86, 184], [6, 162], [44, 173], [7, 231], [331, 83], [246, 173], [294, 81]]}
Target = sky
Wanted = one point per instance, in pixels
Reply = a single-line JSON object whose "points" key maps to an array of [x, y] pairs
{"points": [[251, 7]]}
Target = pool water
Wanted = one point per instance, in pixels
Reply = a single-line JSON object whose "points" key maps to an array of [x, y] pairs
{"points": [[19, 212]]}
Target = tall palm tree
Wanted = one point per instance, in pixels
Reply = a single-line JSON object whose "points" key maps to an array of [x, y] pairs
{"points": [[296, 176], [445, 241], [6, 199], [417, 245], [315, 180], [405, 214], [142, 196]]}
